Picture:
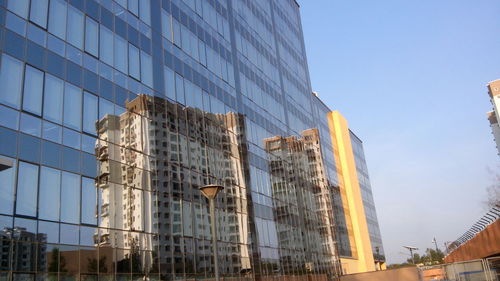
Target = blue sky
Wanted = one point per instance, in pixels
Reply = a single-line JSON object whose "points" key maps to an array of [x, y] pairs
{"points": [[410, 77]]}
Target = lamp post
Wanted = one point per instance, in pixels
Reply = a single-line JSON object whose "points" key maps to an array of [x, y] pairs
{"points": [[411, 252], [210, 191]]}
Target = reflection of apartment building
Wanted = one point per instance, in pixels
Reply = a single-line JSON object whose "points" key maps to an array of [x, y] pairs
{"points": [[303, 202], [367, 253], [21, 252], [494, 115], [153, 159]]}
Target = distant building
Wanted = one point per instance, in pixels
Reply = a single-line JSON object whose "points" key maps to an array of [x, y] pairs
{"points": [[493, 116], [367, 252]]}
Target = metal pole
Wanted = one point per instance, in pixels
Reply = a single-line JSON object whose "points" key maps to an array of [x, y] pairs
{"points": [[435, 243], [412, 258], [214, 238]]}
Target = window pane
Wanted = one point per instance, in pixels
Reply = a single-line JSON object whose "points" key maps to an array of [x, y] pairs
{"points": [[186, 41], [38, 12], [133, 6], [75, 27], [52, 132], [33, 86], [145, 11], [134, 67], [8, 181], [89, 201], [57, 18], [92, 37], [9, 117], [105, 107], [90, 109], [71, 138], [70, 197], [176, 32], [27, 190], [121, 56], [53, 99], [51, 231], [106, 45], [88, 144], [169, 83], [166, 25], [50, 186], [20, 7], [179, 86], [69, 235], [11, 78], [146, 69], [72, 106], [31, 125]]}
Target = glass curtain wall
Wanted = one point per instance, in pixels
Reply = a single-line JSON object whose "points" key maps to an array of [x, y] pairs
{"points": [[114, 113]]}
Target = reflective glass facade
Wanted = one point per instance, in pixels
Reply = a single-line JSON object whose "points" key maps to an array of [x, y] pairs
{"points": [[114, 113], [368, 202]]}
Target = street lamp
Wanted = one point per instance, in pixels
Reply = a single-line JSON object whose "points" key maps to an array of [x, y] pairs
{"points": [[411, 252], [210, 191]]}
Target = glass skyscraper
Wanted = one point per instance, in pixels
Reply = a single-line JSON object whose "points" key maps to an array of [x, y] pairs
{"points": [[115, 113]]}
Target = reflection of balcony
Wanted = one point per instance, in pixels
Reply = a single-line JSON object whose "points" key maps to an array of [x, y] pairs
{"points": [[105, 210], [101, 148]]}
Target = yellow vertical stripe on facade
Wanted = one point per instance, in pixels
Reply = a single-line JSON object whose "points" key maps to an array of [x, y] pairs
{"points": [[350, 191]]}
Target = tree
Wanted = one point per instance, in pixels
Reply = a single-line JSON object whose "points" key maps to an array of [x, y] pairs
{"points": [[430, 257], [493, 191]]}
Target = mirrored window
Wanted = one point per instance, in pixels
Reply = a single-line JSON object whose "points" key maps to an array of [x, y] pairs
{"points": [[7, 187], [106, 45], [11, 79], [52, 132], [20, 7], [88, 144], [9, 142], [57, 18], [179, 87], [51, 154], [9, 117], [121, 55], [69, 234], [71, 138], [38, 12], [134, 67], [72, 106], [70, 198], [27, 189], [48, 232], [31, 125], [145, 11], [169, 83], [90, 112], [75, 27], [105, 107], [91, 36], [50, 186], [33, 87], [87, 236], [53, 99], [5, 225], [89, 201], [146, 69]]}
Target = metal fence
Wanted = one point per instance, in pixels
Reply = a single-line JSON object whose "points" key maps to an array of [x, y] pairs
{"points": [[490, 217], [476, 270]]}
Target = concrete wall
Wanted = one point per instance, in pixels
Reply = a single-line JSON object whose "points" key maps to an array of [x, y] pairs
{"points": [[484, 244], [400, 274]]}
